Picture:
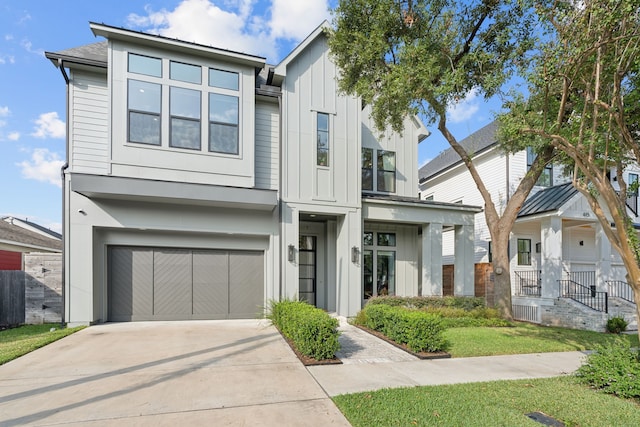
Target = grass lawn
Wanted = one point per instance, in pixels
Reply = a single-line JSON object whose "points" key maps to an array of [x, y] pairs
{"points": [[524, 338], [499, 403], [19, 341]]}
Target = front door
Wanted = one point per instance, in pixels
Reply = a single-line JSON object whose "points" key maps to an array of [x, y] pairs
{"points": [[307, 269], [379, 264]]}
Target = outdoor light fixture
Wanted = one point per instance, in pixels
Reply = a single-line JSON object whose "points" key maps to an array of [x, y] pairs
{"points": [[355, 254], [292, 253]]}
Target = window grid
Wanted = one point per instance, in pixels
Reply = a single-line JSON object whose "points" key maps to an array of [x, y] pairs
{"points": [[322, 135], [524, 251]]}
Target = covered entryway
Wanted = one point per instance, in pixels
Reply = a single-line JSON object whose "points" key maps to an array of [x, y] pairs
{"points": [[147, 283]]}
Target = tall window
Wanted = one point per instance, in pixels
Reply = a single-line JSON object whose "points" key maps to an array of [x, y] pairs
{"points": [[145, 100], [633, 184], [524, 251], [546, 177], [379, 264], [223, 123], [185, 118], [378, 170], [367, 169], [386, 171], [323, 139]]}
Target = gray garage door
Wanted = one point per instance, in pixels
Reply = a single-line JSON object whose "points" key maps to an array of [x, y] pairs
{"points": [[181, 284]]}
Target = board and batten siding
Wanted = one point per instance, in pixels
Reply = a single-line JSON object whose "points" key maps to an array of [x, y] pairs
{"points": [[309, 89], [89, 123], [267, 144]]}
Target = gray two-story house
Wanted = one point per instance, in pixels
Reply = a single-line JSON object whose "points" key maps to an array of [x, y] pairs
{"points": [[202, 183]]}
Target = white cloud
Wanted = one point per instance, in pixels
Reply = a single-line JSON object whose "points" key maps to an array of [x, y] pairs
{"points": [[48, 125], [8, 37], [28, 46], [44, 165], [235, 25], [4, 111], [464, 109], [7, 58], [295, 19], [13, 136]]}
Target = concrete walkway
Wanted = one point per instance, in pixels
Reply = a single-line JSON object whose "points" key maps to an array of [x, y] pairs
{"points": [[371, 364], [222, 373]]}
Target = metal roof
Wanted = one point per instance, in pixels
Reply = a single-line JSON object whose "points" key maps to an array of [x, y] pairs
{"points": [[548, 200], [475, 143]]}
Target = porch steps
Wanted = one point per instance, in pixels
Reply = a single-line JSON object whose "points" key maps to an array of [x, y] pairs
{"points": [[624, 309], [570, 314]]}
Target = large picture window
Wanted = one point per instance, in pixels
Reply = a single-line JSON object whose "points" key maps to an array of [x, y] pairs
{"points": [[167, 109]]}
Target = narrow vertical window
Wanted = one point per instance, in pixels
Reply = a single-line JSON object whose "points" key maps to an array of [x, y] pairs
{"points": [[367, 169], [323, 139], [185, 118], [524, 251], [546, 177], [144, 106], [386, 171], [223, 123]]}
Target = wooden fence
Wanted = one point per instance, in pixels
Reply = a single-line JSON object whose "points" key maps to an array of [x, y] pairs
{"points": [[12, 297]]}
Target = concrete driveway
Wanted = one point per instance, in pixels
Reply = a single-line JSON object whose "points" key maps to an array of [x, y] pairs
{"points": [[165, 373]]}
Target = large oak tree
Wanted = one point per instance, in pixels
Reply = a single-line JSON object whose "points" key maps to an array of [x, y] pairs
{"points": [[420, 56]]}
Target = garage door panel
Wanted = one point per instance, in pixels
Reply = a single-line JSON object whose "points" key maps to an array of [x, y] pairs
{"points": [[246, 284], [131, 288], [210, 284], [172, 294]]}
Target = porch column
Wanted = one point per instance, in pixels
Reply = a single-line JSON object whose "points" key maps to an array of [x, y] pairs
{"points": [[463, 264], [290, 237], [432, 259], [551, 256], [603, 260]]}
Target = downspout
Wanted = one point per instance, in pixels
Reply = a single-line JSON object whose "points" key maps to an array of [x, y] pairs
{"points": [[63, 169], [280, 184]]}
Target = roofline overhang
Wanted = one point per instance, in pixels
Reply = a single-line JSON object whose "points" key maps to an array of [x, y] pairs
{"points": [[58, 60], [115, 33], [457, 163], [30, 246], [458, 207], [280, 70], [135, 189]]}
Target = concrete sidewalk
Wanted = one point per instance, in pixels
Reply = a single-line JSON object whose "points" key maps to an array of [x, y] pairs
{"points": [[370, 364]]}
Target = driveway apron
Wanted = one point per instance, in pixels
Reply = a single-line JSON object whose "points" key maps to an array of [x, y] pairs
{"points": [[165, 373]]}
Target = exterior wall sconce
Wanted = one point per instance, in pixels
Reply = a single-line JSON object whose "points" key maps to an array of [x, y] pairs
{"points": [[291, 254], [581, 242], [355, 254]]}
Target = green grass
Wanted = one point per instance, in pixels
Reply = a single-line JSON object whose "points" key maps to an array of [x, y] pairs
{"points": [[499, 403], [24, 339], [524, 338]]}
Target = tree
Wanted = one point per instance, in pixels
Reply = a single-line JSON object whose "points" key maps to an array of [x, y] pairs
{"points": [[418, 56], [584, 99]]}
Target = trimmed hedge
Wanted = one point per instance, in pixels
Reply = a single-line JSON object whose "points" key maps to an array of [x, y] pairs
{"points": [[464, 303], [312, 331], [419, 330]]}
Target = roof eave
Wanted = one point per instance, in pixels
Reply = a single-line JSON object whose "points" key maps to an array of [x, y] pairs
{"points": [[281, 68], [55, 58]]}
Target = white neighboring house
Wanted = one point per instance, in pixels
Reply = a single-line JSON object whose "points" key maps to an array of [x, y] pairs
{"points": [[203, 183], [563, 268]]}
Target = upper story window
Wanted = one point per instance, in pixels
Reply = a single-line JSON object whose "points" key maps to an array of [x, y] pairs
{"points": [[322, 131], [378, 170], [168, 110], [546, 177]]}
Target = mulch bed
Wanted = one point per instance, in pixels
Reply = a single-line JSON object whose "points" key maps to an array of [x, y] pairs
{"points": [[309, 361], [420, 355]]}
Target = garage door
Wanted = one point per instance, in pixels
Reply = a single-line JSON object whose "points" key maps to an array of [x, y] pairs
{"points": [[181, 284]]}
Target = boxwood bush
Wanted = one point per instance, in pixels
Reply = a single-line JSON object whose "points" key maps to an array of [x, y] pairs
{"points": [[313, 332], [464, 303], [419, 330]]}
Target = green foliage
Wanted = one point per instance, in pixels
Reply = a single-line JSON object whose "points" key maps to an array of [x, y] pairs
{"points": [[312, 331], [464, 303], [496, 403], [613, 369], [419, 330], [616, 325], [465, 322], [24, 339]]}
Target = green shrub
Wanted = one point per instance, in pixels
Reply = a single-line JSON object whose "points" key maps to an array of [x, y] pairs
{"points": [[613, 369], [312, 331], [419, 330], [465, 322], [464, 303], [616, 325]]}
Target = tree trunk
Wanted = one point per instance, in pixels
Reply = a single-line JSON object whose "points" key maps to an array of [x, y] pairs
{"points": [[502, 275]]}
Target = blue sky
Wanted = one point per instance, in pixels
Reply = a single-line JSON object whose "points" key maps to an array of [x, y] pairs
{"points": [[32, 90]]}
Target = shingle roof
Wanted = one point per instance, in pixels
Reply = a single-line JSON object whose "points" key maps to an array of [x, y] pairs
{"points": [[475, 143], [548, 200], [48, 231], [19, 235]]}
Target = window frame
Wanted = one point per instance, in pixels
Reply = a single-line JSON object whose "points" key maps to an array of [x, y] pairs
{"points": [[323, 132], [167, 117], [523, 256], [546, 172], [377, 172]]}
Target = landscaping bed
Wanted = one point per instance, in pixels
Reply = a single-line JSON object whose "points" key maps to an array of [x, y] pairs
{"points": [[424, 355]]}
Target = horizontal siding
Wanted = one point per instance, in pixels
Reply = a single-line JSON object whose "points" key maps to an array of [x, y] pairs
{"points": [[89, 125], [266, 153]]}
